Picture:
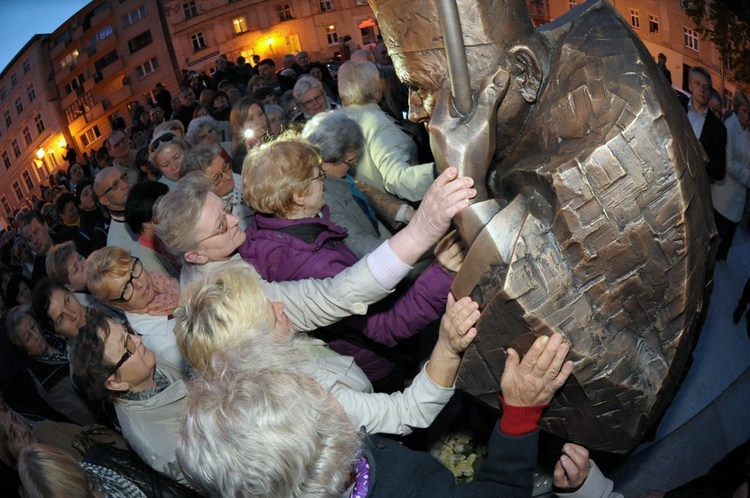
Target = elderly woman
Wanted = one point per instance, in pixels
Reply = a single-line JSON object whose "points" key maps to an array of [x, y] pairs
{"points": [[389, 161], [66, 267], [222, 311], [212, 162], [291, 427], [294, 238], [207, 131], [311, 98], [113, 363], [194, 225], [277, 121], [341, 143], [167, 153], [148, 300], [249, 129], [139, 217], [49, 366], [728, 194], [18, 290]]}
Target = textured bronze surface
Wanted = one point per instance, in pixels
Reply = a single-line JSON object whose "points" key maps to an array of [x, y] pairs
{"points": [[594, 219]]}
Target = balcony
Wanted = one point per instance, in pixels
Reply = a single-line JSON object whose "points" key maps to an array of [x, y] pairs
{"points": [[101, 17], [121, 95], [112, 69]]}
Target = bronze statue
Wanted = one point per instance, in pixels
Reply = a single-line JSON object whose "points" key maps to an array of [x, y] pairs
{"points": [[594, 215]]}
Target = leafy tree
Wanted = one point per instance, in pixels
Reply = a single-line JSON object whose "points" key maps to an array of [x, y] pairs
{"points": [[727, 24]]}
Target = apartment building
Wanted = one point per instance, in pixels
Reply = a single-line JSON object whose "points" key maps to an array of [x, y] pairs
{"points": [[33, 137], [201, 30], [105, 58]]}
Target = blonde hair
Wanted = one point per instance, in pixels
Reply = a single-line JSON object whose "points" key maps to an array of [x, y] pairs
{"points": [[48, 472], [103, 264], [218, 312], [273, 173]]}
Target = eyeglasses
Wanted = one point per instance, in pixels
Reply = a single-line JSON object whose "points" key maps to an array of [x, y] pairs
{"points": [[116, 184], [130, 347], [219, 177], [351, 163], [135, 271], [161, 139], [319, 99], [321, 177], [223, 225]]}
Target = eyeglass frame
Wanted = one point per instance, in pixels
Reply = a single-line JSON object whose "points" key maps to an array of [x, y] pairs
{"points": [[136, 262], [322, 177], [321, 96], [218, 177], [128, 353], [116, 183], [223, 224]]}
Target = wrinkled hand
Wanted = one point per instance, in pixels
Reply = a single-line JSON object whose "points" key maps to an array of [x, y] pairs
{"points": [[535, 379], [572, 469], [457, 325], [450, 252], [446, 196]]}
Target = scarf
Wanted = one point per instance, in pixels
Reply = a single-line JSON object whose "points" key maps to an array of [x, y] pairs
{"points": [[166, 296]]}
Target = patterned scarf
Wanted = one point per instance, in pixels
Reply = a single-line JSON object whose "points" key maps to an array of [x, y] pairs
{"points": [[166, 296]]}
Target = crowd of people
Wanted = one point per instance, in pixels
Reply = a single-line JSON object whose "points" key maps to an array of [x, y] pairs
{"points": [[224, 301]]}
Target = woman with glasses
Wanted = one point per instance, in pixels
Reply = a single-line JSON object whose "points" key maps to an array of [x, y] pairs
{"points": [[113, 363], [167, 153], [227, 184], [341, 143], [48, 366], [292, 238], [148, 300]]}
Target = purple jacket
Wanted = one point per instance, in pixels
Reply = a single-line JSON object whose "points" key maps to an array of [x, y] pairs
{"points": [[282, 249]]}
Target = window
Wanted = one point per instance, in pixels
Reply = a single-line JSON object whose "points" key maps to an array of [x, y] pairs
{"points": [[140, 41], [285, 12], [325, 5], [69, 60], [31, 93], [190, 9], [240, 25], [572, 4], [16, 148], [19, 106], [8, 121], [653, 24], [18, 191], [332, 35], [691, 38], [2, 94], [13, 80], [105, 61], [39, 123], [6, 159], [90, 136], [199, 42], [27, 135], [74, 84], [105, 32], [134, 16], [26, 66], [146, 68], [635, 19], [27, 180], [6, 206]]}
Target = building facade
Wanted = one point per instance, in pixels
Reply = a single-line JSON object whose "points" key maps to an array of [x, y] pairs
{"points": [[201, 30]]}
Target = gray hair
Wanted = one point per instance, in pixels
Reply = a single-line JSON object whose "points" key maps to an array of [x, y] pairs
{"points": [[195, 127], [740, 98], [13, 318], [200, 157], [258, 425], [178, 212], [304, 84], [335, 134], [359, 83]]}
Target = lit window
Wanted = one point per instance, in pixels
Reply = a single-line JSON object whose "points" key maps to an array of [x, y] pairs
{"points": [[198, 41], [653, 24], [635, 19], [332, 34], [105, 32], [690, 38], [240, 25]]}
